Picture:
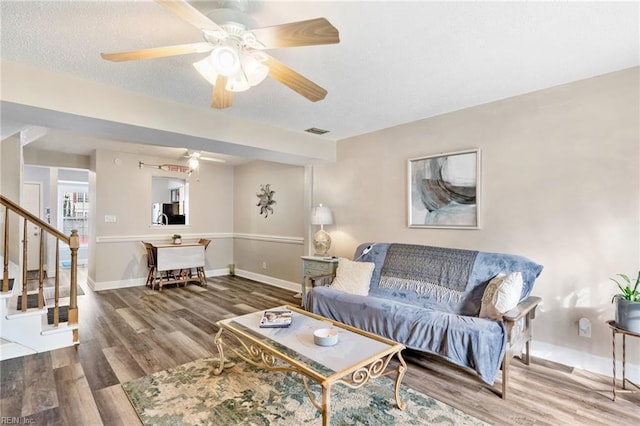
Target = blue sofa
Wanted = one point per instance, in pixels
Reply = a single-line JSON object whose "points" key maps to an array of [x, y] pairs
{"points": [[428, 298]]}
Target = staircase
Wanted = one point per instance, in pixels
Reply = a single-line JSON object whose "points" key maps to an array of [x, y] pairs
{"points": [[29, 321]]}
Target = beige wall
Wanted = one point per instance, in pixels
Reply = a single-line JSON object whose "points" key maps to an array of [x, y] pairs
{"points": [[10, 170], [123, 190], [35, 157], [11, 188], [277, 240], [560, 185]]}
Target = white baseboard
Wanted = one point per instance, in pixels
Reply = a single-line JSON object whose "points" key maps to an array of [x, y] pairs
{"points": [[112, 285], [585, 361], [216, 272], [10, 350], [276, 282]]}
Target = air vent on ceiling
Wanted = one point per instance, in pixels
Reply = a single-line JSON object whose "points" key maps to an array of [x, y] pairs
{"points": [[317, 131]]}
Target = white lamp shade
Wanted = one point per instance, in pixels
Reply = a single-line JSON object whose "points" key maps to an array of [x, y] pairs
{"points": [[321, 215], [238, 83], [207, 70], [255, 70], [250, 70], [226, 60]]}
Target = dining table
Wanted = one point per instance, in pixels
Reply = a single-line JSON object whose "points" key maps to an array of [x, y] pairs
{"points": [[175, 262]]}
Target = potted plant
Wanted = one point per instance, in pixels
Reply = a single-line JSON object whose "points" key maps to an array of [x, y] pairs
{"points": [[177, 239], [627, 303]]}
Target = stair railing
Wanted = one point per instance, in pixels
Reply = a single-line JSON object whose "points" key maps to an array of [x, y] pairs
{"points": [[73, 241]]}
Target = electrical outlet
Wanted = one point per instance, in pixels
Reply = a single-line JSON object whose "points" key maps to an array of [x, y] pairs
{"points": [[264, 265], [584, 327], [109, 218]]}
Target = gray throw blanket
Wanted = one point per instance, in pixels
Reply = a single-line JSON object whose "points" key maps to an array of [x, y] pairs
{"points": [[443, 277]]}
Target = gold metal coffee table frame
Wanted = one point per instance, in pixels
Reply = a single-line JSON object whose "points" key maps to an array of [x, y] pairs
{"points": [[264, 353]]}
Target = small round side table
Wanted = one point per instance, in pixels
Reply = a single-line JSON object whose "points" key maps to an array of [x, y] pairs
{"points": [[615, 329]]}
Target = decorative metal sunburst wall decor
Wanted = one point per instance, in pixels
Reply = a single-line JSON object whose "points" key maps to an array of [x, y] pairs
{"points": [[266, 200]]}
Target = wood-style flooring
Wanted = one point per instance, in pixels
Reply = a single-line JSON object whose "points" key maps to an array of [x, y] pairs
{"points": [[129, 333]]}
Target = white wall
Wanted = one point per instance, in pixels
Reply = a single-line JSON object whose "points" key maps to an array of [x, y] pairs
{"points": [[560, 185]]}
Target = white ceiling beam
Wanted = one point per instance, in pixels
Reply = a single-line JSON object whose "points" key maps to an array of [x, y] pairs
{"points": [[31, 134], [139, 118], [9, 128]]}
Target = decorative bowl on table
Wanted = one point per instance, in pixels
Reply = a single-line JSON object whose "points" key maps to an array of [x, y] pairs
{"points": [[325, 337]]}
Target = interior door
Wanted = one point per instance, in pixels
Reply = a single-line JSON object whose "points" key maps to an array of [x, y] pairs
{"points": [[32, 202]]}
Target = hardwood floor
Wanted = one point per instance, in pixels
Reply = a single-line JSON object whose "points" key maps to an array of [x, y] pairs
{"points": [[128, 333]]}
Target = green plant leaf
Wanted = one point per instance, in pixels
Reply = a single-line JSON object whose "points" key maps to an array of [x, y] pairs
{"points": [[625, 277], [624, 284]]}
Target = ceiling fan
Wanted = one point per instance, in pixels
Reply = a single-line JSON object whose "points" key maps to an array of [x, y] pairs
{"points": [[195, 157], [237, 60]]}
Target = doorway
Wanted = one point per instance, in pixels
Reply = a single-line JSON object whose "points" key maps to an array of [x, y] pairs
{"points": [[54, 183], [73, 205]]}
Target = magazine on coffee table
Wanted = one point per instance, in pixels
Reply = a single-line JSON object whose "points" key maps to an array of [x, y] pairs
{"points": [[276, 318]]}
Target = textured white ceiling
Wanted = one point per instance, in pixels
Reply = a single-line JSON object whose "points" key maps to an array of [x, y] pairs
{"points": [[397, 62]]}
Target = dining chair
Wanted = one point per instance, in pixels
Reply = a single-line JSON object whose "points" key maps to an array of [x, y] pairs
{"points": [[200, 269], [152, 271]]}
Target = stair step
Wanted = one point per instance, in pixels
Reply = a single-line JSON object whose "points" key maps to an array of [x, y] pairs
{"points": [[32, 301], [11, 281], [10, 350], [62, 328], [63, 315], [8, 294], [35, 275]]}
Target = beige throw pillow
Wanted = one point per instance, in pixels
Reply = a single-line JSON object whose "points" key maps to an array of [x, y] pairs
{"points": [[353, 277], [501, 295]]}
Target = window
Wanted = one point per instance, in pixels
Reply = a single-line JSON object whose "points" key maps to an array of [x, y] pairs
{"points": [[75, 214]]}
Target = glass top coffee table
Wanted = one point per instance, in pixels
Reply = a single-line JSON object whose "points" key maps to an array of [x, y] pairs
{"points": [[357, 357]]}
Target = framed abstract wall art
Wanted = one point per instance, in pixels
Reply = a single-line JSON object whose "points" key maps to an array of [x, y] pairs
{"points": [[444, 190]]}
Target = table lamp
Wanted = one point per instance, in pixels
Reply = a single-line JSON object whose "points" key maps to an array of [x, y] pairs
{"points": [[321, 215]]}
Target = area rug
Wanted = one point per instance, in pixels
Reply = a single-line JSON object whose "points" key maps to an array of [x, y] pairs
{"points": [[243, 395]]}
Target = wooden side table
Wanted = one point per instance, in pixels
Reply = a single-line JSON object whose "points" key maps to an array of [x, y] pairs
{"points": [[313, 266], [615, 329]]}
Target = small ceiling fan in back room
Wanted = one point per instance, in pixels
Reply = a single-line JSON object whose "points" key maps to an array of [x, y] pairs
{"points": [[195, 157], [238, 60]]}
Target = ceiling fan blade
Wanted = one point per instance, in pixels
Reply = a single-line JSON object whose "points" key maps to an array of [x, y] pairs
{"points": [[198, 155], [158, 52], [296, 82], [302, 33], [189, 13], [213, 159], [222, 98]]}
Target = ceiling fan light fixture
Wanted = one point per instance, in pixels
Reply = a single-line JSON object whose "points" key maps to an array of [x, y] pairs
{"points": [[254, 69], [226, 60], [193, 163], [214, 36], [238, 83], [206, 69], [249, 40], [252, 72]]}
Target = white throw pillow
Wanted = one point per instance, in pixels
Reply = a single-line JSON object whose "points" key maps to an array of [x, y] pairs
{"points": [[353, 277], [501, 295]]}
